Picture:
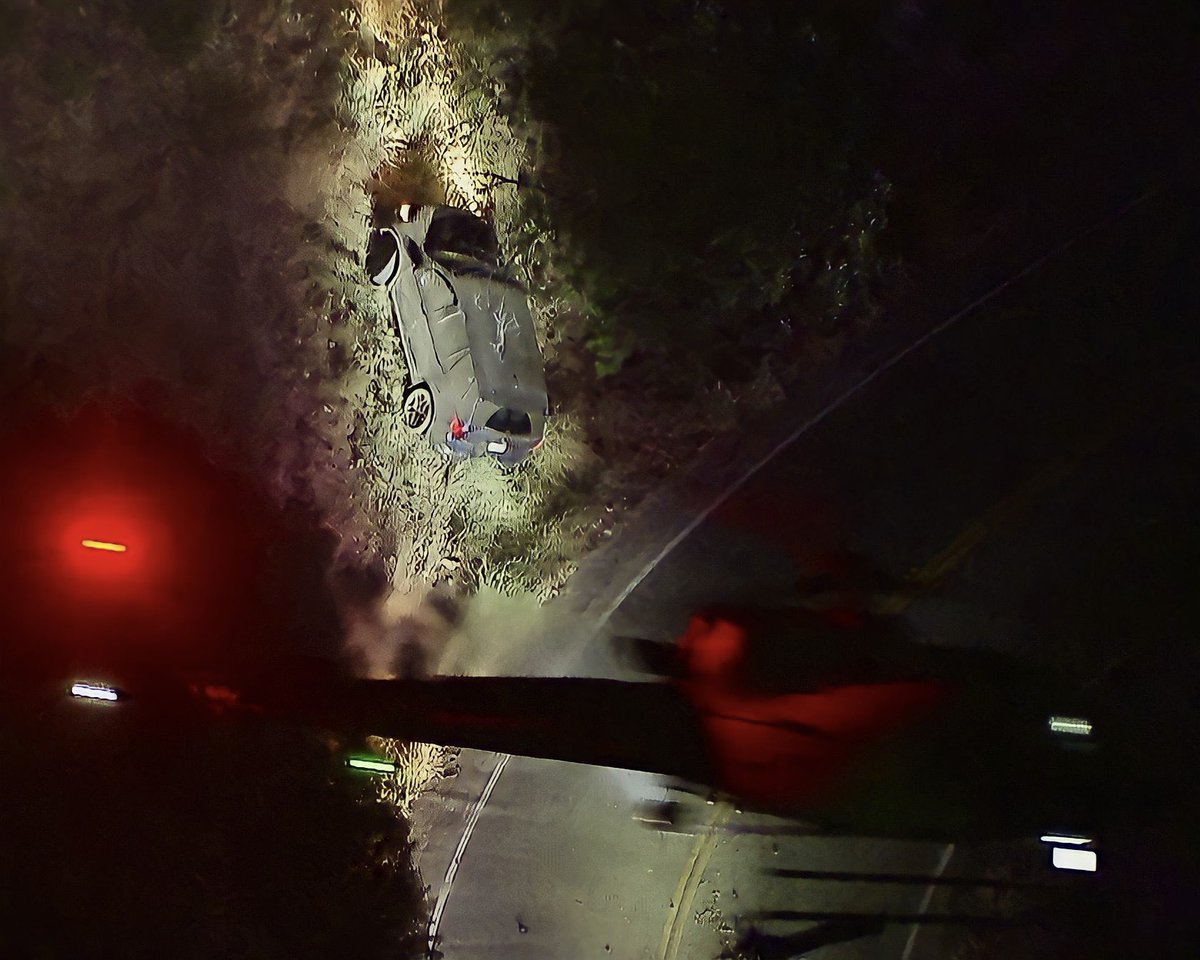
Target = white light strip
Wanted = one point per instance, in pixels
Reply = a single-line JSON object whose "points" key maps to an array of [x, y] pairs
{"points": [[93, 691], [1074, 725], [1074, 841], [1066, 858], [371, 765]]}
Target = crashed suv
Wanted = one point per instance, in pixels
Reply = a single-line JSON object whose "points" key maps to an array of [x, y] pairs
{"points": [[477, 387]]}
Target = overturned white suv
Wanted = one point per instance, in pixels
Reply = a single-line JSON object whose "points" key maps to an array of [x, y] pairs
{"points": [[477, 386]]}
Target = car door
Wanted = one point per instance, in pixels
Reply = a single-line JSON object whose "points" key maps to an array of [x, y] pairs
{"points": [[445, 318]]}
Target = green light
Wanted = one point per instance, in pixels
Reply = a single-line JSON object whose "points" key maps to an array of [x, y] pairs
{"points": [[371, 764]]}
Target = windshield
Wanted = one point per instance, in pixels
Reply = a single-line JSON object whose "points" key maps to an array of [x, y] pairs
{"points": [[464, 265], [514, 422]]}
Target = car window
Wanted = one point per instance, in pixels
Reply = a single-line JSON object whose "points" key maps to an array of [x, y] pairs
{"points": [[467, 266], [514, 422], [458, 232]]}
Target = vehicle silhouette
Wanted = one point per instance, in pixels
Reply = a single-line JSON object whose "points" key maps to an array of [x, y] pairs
{"points": [[477, 386]]}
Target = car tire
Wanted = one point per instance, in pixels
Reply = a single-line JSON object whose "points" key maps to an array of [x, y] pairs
{"points": [[416, 410], [383, 257]]}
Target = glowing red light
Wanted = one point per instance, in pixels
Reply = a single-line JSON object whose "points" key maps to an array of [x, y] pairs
{"points": [[107, 539]]}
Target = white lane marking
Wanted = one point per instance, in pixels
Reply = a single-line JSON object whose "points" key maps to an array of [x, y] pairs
{"points": [[435, 918], [858, 387], [925, 901]]}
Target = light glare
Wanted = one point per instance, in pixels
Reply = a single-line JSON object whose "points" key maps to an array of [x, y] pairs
{"points": [[1067, 858], [1074, 841], [371, 764], [1073, 725], [93, 691], [104, 545]]}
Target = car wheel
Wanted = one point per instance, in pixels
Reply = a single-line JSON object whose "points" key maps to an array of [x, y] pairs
{"points": [[416, 412], [383, 257]]}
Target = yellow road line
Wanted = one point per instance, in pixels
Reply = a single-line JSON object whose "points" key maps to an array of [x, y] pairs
{"points": [[929, 576], [689, 883]]}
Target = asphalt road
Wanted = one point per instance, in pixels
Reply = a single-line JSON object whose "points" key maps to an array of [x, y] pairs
{"points": [[1009, 466]]}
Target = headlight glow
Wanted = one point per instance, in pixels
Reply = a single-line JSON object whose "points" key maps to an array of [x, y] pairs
{"points": [[94, 691], [1066, 858], [1077, 726], [1073, 841]]}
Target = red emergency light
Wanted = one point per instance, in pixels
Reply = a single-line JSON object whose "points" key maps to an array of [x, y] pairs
{"points": [[110, 539]]}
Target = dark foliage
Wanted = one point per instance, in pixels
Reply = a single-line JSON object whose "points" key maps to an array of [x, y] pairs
{"points": [[130, 835], [704, 165], [158, 828]]}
